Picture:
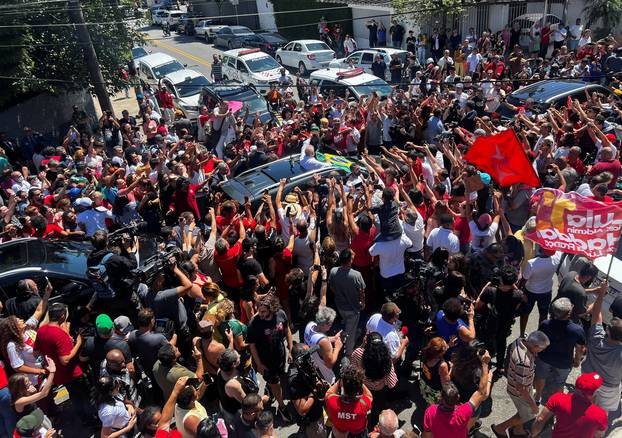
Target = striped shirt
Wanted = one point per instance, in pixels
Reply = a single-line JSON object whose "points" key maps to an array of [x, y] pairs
{"points": [[390, 380], [217, 71], [521, 367]]}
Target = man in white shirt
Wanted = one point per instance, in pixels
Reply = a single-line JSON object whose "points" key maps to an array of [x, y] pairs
{"points": [[473, 60], [384, 324], [94, 218], [392, 267], [445, 61], [483, 231], [443, 236], [414, 227], [559, 34], [575, 32], [309, 162]]}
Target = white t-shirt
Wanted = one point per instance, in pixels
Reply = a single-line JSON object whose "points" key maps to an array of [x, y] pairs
{"points": [[539, 273], [26, 355], [481, 239], [389, 333], [391, 255], [115, 416], [473, 59], [415, 233], [443, 238], [313, 337]]}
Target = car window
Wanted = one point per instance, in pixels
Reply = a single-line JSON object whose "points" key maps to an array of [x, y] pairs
{"points": [[262, 64], [232, 62], [170, 86], [367, 58], [330, 85], [146, 71], [317, 46], [297, 47], [170, 67], [289, 46], [355, 57], [13, 256], [241, 67], [192, 86]]}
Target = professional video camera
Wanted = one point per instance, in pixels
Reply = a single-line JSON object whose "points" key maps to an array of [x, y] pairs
{"points": [[161, 260], [117, 237], [310, 373]]}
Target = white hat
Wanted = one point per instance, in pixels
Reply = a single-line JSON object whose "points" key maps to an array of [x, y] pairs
{"points": [[83, 202]]}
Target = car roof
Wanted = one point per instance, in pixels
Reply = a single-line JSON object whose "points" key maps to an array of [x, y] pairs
{"points": [[181, 75], [307, 41], [239, 27], [235, 53], [229, 88], [387, 50], [331, 74], [156, 59], [544, 91]]}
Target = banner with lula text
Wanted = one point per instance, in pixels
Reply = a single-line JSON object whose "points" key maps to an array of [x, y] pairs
{"points": [[572, 223]]}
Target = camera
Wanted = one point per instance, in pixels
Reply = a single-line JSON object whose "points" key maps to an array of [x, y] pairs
{"points": [[310, 373]]}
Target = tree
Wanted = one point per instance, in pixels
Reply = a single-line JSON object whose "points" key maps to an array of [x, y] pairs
{"points": [[607, 12], [40, 52]]}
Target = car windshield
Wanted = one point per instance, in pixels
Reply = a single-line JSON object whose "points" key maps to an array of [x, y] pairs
{"points": [[262, 64], [241, 30], [379, 86], [191, 86], [164, 69], [312, 47], [139, 52], [255, 103]]}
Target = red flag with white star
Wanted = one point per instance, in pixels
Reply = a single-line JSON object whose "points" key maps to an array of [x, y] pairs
{"points": [[503, 157]]}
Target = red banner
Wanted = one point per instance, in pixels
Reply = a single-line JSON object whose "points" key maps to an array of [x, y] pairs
{"points": [[575, 224]]}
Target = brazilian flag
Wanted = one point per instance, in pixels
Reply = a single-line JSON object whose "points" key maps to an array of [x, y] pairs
{"points": [[335, 160]]}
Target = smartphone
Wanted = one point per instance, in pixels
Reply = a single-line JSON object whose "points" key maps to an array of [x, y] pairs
{"points": [[208, 379], [195, 382]]}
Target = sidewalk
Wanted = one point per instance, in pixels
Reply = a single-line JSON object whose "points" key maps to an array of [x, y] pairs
{"points": [[120, 103]]}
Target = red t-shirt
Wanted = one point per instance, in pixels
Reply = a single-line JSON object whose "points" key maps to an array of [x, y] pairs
{"points": [[282, 266], [576, 416], [54, 342], [51, 231], [450, 424], [360, 245], [612, 167], [168, 434], [228, 265], [461, 225], [4, 382], [222, 223], [347, 417]]}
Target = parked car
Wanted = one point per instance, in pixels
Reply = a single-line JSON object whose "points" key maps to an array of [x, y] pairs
{"points": [[232, 37], [305, 55], [137, 53], [251, 66], [254, 182], [207, 29], [157, 15], [172, 18], [186, 87], [229, 91], [153, 67], [186, 26], [63, 262], [527, 21], [355, 81], [268, 42], [363, 58], [548, 93]]}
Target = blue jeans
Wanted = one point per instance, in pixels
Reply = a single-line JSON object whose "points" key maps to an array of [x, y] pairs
{"points": [[7, 417]]}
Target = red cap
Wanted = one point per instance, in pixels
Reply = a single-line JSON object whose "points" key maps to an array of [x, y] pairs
{"points": [[588, 383], [611, 137]]}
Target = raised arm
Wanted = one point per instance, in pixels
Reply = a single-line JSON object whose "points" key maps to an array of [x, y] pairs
{"points": [[279, 193]]}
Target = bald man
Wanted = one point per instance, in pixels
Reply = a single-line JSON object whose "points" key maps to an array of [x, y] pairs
{"points": [[388, 426], [607, 163], [116, 366]]}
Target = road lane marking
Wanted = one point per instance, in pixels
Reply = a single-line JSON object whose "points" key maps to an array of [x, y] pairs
{"points": [[179, 51]]}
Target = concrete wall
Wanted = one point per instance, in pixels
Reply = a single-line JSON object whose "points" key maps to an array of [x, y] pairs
{"points": [[265, 9], [46, 113]]}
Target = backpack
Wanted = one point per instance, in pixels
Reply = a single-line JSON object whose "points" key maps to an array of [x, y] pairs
{"points": [[99, 279]]}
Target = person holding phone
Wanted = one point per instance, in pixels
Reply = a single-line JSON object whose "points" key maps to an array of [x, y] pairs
{"points": [[348, 401]]}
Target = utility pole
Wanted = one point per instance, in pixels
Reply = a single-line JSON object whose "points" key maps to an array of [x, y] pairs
{"points": [[92, 64]]}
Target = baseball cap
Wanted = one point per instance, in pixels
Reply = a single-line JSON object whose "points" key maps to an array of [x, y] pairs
{"points": [[588, 383], [75, 192], [122, 324], [484, 220], [104, 324], [30, 424], [314, 127], [117, 161], [83, 202]]}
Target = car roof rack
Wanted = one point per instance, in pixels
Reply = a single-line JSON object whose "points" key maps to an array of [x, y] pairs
{"points": [[350, 73], [248, 51]]}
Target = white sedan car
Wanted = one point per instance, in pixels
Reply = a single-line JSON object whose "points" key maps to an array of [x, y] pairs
{"points": [[363, 58], [186, 87], [305, 55]]}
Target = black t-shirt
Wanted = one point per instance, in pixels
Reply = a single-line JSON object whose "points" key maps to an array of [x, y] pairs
{"points": [[269, 339], [298, 388], [96, 348], [573, 290], [506, 303], [22, 306], [616, 307], [248, 267]]}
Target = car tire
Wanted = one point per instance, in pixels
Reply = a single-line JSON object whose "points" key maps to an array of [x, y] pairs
{"points": [[302, 69]]}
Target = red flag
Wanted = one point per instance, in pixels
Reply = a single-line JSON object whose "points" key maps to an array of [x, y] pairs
{"points": [[502, 157], [575, 224], [569, 103]]}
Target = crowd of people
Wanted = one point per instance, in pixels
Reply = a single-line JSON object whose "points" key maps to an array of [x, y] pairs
{"points": [[330, 304]]}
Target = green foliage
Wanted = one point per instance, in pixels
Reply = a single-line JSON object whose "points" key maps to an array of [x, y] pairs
{"points": [[606, 12], [298, 26], [53, 52], [421, 10]]}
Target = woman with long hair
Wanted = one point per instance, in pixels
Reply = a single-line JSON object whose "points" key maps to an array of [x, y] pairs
{"points": [[434, 370], [118, 417], [374, 359], [25, 395]]}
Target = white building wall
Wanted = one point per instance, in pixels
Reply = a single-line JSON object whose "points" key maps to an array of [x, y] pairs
{"points": [[265, 9], [360, 17], [498, 17]]}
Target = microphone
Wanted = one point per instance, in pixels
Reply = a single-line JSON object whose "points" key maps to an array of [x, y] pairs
{"points": [[405, 331]]}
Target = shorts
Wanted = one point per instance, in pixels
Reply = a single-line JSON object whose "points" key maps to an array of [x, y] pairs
{"points": [[523, 408], [607, 397], [543, 301], [273, 375], [555, 377]]}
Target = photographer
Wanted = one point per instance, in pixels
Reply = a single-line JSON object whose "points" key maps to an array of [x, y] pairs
{"points": [[499, 303], [330, 347], [306, 394], [348, 402], [111, 275]]}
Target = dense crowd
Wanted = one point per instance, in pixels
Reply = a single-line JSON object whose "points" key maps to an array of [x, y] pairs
{"points": [[348, 293]]}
